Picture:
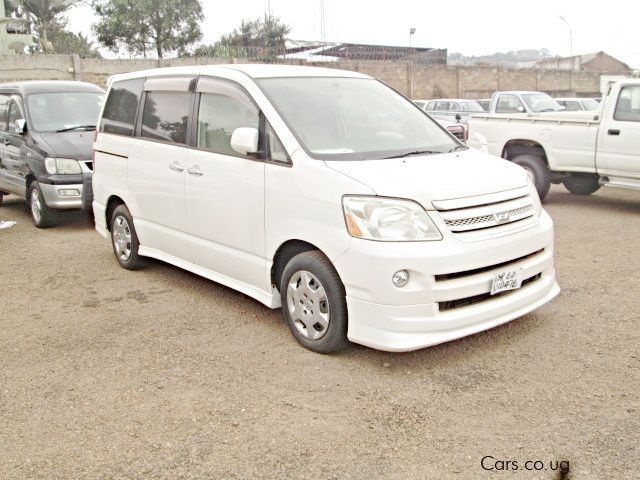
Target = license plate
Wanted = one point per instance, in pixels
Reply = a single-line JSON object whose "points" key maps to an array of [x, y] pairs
{"points": [[504, 281]]}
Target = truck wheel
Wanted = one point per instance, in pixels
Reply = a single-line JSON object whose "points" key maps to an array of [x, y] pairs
{"points": [[313, 303], [41, 214], [539, 172], [582, 184], [124, 239]]}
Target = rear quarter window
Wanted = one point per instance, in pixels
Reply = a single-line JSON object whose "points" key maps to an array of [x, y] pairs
{"points": [[121, 106]]}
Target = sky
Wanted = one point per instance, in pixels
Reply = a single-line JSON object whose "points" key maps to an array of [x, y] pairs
{"points": [[472, 27]]}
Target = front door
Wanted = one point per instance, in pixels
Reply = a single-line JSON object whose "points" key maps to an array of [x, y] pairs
{"points": [[13, 145], [225, 190], [619, 137]]}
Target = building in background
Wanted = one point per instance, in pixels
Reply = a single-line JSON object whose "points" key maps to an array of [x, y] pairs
{"points": [[332, 52], [599, 62], [15, 34]]}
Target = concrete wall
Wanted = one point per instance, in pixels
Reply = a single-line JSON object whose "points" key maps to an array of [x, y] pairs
{"points": [[426, 81]]}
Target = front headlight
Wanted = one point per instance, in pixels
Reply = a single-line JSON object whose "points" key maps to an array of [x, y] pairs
{"points": [[535, 197], [388, 219], [62, 166]]}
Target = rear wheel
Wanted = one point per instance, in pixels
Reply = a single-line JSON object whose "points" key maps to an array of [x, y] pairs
{"points": [[538, 171], [41, 214], [582, 184], [124, 239], [313, 303]]}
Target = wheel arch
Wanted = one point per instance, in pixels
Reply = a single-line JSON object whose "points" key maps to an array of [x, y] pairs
{"points": [[113, 202], [285, 252], [522, 146]]}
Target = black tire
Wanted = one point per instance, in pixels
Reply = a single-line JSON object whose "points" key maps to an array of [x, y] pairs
{"points": [[538, 168], [582, 184], [41, 214], [334, 336], [121, 226]]}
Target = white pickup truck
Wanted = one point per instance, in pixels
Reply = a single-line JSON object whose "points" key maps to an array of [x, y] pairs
{"points": [[582, 150]]}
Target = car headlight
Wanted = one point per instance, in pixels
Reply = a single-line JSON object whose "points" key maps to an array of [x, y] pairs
{"points": [[537, 204], [62, 166], [388, 219]]}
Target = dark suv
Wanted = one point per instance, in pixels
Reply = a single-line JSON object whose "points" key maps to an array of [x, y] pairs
{"points": [[46, 135]]}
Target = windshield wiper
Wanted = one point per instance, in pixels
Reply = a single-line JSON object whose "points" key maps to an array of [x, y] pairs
{"points": [[409, 154], [77, 127], [458, 147]]}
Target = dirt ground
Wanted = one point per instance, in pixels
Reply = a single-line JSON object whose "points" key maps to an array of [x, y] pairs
{"points": [[106, 373]]}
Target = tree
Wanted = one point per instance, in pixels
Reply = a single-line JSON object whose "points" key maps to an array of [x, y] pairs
{"points": [[44, 15], [258, 38], [70, 43], [139, 26]]}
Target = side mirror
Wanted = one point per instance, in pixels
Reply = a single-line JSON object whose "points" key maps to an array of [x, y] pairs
{"points": [[520, 109], [458, 117], [20, 126], [244, 140]]}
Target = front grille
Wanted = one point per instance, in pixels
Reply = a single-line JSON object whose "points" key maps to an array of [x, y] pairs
{"points": [[483, 297], [476, 223], [480, 214]]}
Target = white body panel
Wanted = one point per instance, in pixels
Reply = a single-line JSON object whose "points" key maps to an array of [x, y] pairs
{"points": [[228, 223]]}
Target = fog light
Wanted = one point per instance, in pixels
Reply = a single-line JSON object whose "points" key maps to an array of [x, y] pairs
{"points": [[69, 192], [400, 278]]}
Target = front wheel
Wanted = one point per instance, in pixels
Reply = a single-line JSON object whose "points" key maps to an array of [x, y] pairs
{"points": [[538, 171], [582, 184], [313, 303], [41, 214]]}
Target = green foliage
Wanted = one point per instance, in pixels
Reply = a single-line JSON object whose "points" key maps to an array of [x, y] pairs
{"points": [[141, 26], [70, 43], [44, 15], [263, 37]]}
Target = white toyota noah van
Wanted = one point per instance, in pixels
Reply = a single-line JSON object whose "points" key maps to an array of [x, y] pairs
{"points": [[324, 192]]}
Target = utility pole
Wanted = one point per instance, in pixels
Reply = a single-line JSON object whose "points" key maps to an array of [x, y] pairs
{"points": [[412, 30], [570, 52]]}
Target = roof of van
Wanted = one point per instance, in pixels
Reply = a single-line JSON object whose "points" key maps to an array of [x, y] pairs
{"points": [[251, 70], [50, 86]]}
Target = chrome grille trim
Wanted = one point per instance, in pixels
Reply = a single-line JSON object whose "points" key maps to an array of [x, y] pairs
{"points": [[490, 220]]}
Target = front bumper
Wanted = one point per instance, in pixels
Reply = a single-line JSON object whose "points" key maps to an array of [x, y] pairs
{"points": [[68, 196], [447, 294]]}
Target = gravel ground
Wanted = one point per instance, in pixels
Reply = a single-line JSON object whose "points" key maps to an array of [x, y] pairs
{"points": [[107, 373]]}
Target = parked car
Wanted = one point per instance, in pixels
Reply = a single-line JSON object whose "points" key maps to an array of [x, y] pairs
{"points": [[582, 150], [322, 191], [485, 103], [457, 110], [458, 130], [46, 132], [514, 102], [579, 104]]}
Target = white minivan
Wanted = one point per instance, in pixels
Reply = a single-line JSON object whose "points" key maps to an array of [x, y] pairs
{"points": [[324, 192]]}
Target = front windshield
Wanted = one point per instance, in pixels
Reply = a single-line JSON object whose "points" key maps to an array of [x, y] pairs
{"points": [[590, 105], [51, 112], [472, 106], [354, 118], [541, 102]]}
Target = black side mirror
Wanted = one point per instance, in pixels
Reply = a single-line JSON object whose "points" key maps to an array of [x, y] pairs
{"points": [[20, 126], [458, 117]]}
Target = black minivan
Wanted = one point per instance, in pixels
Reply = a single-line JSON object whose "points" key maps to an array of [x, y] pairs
{"points": [[46, 135]]}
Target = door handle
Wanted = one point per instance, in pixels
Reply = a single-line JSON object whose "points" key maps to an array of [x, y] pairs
{"points": [[176, 166], [614, 132], [195, 170], [5, 141]]}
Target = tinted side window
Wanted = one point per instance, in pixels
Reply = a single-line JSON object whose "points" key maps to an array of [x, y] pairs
{"points": [[4, 111], [628, 106], [219, 115], [15, 113], [166, 115], [121, 106], [455, 106], [431, 105], [572, 106], [442, 105]]}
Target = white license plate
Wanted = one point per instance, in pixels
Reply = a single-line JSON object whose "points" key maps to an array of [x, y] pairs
{"points": [[507, 280]]}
